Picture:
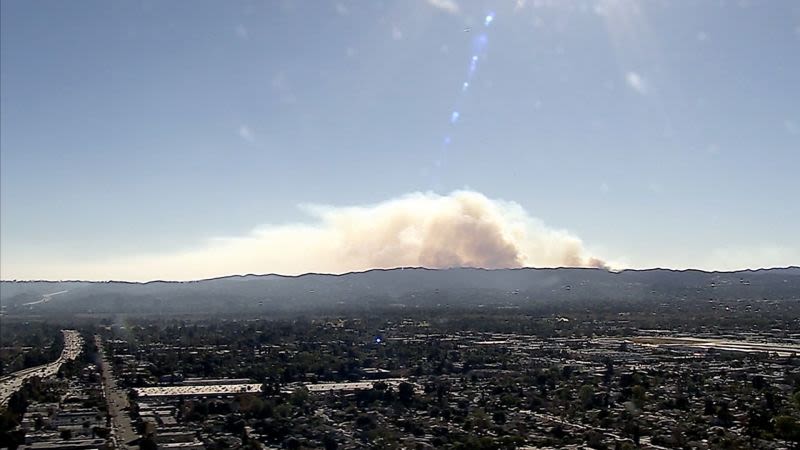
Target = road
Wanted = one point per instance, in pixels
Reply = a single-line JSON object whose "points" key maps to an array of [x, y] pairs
{"points": [[781, 349], [549, 418], [45, 298], [122, 429], [73, 343]]}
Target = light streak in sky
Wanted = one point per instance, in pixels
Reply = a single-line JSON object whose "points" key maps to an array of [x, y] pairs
{"points": [[479, 45]]}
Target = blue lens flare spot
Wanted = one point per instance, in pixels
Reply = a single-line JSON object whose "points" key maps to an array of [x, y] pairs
{"points": [[479, 51]]}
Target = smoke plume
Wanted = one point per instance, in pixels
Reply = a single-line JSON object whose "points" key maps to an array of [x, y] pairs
{"points": [[463, 229]]}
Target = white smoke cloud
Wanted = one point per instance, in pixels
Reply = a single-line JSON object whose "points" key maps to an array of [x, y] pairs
{"points": [[463, 229]]}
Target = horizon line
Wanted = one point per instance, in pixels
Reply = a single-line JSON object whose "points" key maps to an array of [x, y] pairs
{"points": [[356, 272]]}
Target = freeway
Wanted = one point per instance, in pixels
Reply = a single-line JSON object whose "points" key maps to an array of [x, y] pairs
{"points": [[73, 343]]}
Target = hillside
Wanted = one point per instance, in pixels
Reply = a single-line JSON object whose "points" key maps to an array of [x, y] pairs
{"points": [[407, 287]]}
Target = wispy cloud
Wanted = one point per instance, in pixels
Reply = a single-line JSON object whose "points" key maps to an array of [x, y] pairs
{"points": [[449, 6], [241, 31], [246, 134], [655, 187], [791, 126], [342, 9], [636, 82], [282, 88], [397, 33]]}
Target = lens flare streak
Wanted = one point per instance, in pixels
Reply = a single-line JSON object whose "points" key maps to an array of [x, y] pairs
{"points": [[478, 48]]}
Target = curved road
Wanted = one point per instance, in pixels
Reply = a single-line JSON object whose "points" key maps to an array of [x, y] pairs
{"points": [[73, 343]]}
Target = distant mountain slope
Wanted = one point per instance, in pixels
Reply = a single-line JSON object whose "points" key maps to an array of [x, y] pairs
{"points": [[19, 292], [408, 286]]}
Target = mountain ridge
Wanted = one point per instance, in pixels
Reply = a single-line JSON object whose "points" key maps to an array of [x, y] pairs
{"points": [[413, 287], [392, 269]]}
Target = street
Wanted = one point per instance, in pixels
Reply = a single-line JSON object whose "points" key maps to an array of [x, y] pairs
{"points": [[122, 429]]}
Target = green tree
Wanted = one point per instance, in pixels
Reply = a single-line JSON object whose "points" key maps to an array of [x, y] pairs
{"points": [[148, 443], [299, 396], [329, 442], [786, 427], [639, 395], [405, 392], [586, 394]]}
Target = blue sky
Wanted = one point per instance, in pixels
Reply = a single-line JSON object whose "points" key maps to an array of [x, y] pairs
{"points": [[659, 133]]}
